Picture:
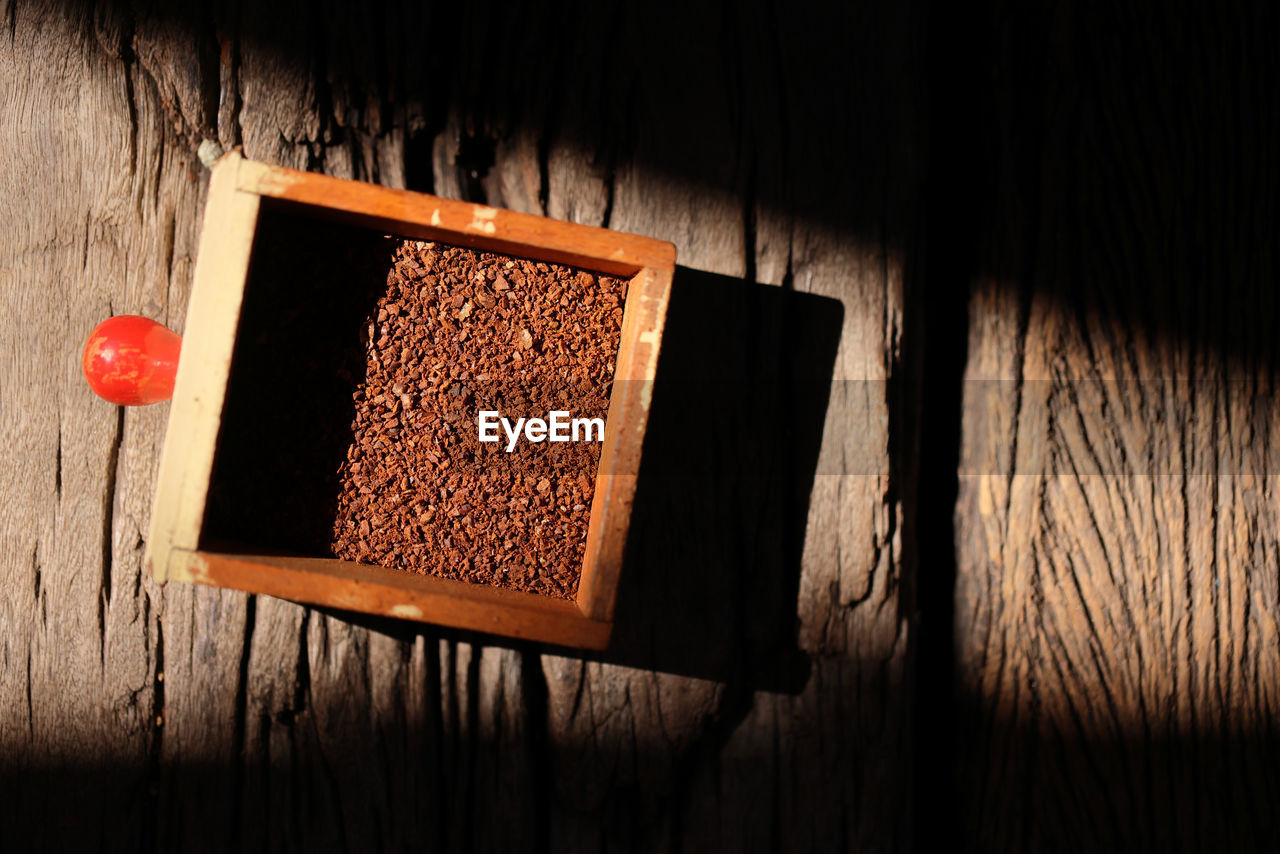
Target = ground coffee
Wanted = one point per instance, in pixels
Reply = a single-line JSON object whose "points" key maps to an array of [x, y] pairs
{"points": [[458, 331]]}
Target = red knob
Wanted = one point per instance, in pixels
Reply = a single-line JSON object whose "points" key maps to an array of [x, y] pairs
{"points": [[131, 360]]}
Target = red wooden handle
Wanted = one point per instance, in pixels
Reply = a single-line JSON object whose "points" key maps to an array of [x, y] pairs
{"points": [[131, 360]]}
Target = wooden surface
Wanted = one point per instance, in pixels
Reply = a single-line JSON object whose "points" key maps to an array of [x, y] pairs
{"points": [[1029, 600], [1117, 579]]}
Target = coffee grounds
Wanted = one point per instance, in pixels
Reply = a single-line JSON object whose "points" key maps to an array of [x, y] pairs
{"points": [[456, 332]]}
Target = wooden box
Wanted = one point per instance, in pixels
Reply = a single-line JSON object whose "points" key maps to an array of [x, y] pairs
{"points": [[239, 190]]}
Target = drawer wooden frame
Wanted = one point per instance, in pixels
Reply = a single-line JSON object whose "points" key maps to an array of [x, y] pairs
{"points": [[238, 190]]}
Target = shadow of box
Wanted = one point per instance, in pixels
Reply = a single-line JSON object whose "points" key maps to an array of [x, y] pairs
{"points": [[227, 513]]}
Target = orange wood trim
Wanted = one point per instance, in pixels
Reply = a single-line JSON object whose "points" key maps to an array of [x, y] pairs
{"points": [[642, 324], [425, 217], [393, 593]]}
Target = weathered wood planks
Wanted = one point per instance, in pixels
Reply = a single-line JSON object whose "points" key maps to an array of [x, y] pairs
{"points": [[245, 721], [1116, 592], [1100, 195]]}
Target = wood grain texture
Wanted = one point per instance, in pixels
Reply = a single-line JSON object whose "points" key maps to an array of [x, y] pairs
{"points": [[1118, 662], [1100, 194], [644, 759], [96, 225], [254, 722]]}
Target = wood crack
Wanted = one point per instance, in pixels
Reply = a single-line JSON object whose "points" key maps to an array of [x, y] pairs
{"points": [[128, 60], [735, 704], [750, 239], [610, 188], [108, 525], [579, 690], [230, 100], [300, 700], [240, 725], [1062, 668], [167, 245], [31, 709], [36, 572], [191, 135], [57, 472], [535, 699], [550, 130], [84, 256], [333, 777], [155, 754], [467, 807]]}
